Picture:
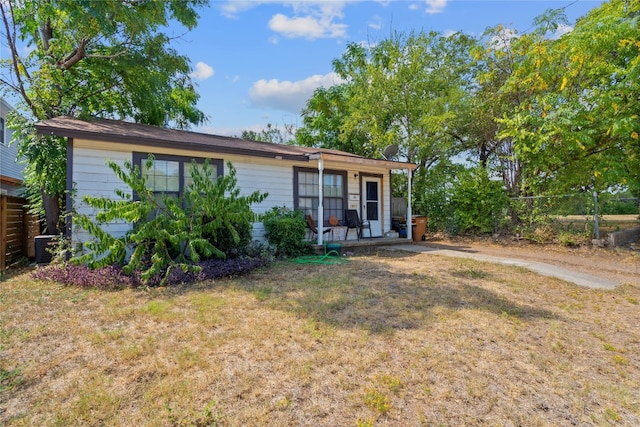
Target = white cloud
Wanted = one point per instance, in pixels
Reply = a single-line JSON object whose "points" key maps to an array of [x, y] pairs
{"points": [[287, 95], [310, 18], [202, 71], [435, 6], [375, 23], [315, 23], [306, 26], [232, 8]]}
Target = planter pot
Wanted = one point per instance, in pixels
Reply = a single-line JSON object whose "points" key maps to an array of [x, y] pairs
{"points": [[337, 247]]}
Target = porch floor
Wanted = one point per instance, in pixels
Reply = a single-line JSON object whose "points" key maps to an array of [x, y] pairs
{"points": [[363, 244]]}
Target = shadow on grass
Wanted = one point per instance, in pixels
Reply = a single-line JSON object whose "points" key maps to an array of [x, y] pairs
{"points": [[372, 296], [370, 292]]}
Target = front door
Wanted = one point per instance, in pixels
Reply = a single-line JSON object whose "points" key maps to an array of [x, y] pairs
{"points": [[371, 204]]}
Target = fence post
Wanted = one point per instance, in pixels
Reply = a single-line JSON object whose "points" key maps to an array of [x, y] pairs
{"points": [[595, 214], [3, 232]]}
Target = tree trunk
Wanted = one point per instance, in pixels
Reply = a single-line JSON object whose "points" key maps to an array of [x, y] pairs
{"points": [[51, 204]]}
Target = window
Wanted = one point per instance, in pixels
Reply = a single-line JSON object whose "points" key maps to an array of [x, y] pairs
{"points": [[334, 191], [170, 174], [2, 137], [372, 200]]}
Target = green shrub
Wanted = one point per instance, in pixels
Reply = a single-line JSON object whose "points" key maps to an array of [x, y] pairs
{"points": [[618, 206], [434, 198], [211, 221], [286, 229], [479, 202], [434, 203]]}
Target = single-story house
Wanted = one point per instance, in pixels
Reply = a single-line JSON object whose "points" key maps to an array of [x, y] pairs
{"points": [[320, 182]]}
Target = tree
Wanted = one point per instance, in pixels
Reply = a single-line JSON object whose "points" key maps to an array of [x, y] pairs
{"points": [[495, 59], [91, 59], [406, 91], [579, 128], [478, 201], [324, 123], [410, 91], [270, 134]]}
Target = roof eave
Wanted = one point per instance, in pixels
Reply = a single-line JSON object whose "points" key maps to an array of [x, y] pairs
{"points": [[171, 139], [363, 161], [68, 133]]}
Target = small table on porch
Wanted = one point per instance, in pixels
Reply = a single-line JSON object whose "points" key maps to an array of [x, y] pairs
{"points": [[340, 229]]}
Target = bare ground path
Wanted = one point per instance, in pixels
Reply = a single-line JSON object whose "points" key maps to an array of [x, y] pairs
{"points": [[586, 266]]}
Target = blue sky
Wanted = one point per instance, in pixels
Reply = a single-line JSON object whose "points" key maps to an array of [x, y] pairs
{"points": [[257, 62]]}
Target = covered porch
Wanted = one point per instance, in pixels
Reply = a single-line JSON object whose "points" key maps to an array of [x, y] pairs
{"points": [[367, 190]]}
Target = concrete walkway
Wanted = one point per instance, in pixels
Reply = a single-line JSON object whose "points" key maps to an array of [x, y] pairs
{"points": [[571, 276]]}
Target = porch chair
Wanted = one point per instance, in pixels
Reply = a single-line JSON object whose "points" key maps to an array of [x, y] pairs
{"points": [[352, 220], [312, 226]]}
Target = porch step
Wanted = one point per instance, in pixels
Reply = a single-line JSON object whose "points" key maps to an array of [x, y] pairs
{"points": [[352, 245]]}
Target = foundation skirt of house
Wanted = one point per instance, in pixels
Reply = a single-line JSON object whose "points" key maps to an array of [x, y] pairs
{"points": [[362, 246]]}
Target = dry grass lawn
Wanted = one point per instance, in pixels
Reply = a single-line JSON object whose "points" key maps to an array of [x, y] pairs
{"points": [[388, 339], [608, 223]]}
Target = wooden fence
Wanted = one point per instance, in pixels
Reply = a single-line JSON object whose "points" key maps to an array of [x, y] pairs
{"points": [[17, 231]]}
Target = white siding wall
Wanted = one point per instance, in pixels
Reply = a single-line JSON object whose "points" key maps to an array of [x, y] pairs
{"points": [[91, 176], [386, 200], [273, 178], [267, 176]]}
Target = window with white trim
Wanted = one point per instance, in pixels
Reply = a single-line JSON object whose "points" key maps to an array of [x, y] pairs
{"points": [[334, 190], [169, 174]]}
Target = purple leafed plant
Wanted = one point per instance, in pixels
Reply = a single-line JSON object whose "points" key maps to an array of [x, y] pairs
{"points": [[113, 277]]}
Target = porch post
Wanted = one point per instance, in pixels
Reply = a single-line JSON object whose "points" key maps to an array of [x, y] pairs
{"points": [[409, 213], [320, 225]]}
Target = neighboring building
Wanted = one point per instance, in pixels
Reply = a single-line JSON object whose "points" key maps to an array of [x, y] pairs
{"points": [[10, 169], [290, 174]]}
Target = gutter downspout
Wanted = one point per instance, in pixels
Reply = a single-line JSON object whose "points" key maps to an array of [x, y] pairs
{"points": [[409, 213], [320, 225]]}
